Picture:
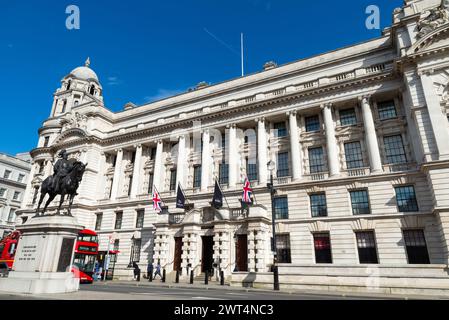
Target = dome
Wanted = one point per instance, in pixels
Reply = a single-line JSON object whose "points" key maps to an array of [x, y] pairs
{"points": [[84, 72]]}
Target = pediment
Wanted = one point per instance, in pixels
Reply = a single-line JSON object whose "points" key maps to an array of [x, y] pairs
{"points": [[434, 40], [70, 135]]}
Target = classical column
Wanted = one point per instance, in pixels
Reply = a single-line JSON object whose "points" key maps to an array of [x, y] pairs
{"points": [[158, 174], [370, 136], [48, 168], [332, 150], [437, 118], [262, 150], [233, 156], [117, 173], [182, 163], [294, 146], [205, 161], [29, 191], [136, 171]]}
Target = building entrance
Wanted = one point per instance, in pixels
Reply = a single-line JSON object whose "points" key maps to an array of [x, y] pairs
{"points": [[241, 253], [207, 259], [178, 253]]}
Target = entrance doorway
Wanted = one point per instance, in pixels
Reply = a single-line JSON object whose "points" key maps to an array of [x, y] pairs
{"points": [[178, 254], [207, 259], [241, 252]]}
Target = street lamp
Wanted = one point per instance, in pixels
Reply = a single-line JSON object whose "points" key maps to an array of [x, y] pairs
{"points": [[271, 167]]}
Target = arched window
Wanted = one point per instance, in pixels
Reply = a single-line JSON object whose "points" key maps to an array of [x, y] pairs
{"points": [[69, 84], [63, 106], [92, 90]]}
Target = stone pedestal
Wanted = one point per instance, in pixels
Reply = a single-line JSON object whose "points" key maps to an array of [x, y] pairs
{"points": [[44, 257]]}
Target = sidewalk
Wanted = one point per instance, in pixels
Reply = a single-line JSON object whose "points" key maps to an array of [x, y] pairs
{"points": [[202, 286]]}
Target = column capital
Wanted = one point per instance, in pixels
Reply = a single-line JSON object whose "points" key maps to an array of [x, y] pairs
{"points": [[365, 98], [231, 125], [205, 131], [327, 105], [158, 141], [119, 150], [292, 113], [138, 145], [261, 119]]}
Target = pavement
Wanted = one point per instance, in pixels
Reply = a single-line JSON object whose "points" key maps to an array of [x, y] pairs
{"points": [[157, 290]]}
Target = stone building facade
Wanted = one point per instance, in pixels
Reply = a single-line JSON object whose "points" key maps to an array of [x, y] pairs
{"points": [[14, 173], [359, 137]]}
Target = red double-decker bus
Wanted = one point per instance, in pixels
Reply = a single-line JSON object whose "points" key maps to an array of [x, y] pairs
{"points": [[86, 252], [8, 246]]}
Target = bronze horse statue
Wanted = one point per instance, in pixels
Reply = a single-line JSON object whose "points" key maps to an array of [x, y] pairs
{"points": [[67, 185]]}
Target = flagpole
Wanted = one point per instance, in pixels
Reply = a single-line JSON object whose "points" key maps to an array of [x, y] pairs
{"points": [[218, 183]]}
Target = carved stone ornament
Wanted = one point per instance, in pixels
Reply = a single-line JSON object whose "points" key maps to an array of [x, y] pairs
{"points": [[433, 18], [74, 120]]}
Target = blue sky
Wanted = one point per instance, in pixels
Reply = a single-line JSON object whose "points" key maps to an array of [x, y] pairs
{"points": [[145, 50]]}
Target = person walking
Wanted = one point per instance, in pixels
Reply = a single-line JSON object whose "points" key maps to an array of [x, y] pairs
{"points": [[136, 271], [158, 271], [150, 271]]}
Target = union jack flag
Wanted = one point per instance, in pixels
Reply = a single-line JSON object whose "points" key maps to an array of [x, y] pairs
{"points": [[247, 191], [157, 201]]}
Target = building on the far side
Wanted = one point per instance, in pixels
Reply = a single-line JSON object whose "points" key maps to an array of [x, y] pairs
{"points": [[14, 173]]}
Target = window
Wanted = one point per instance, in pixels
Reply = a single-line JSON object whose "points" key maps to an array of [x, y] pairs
{"points": [[223, 141], [322, 245], [16, 195], [415, 244], [223, 176], [150, 182], [135, 250], [280, 130], [283, 170], [7, 174], [92, 90], [98, 221], [406, 199], [312, 123], [118, 220], [116, 244], [68, 84], [316, 160], [353, 154], [366, 246], [12, 215], [2, 192], [173, 180], [130, 183], [41, 167], [133, 157], [348, 117], [251, 170], [64, 105], [394, 149], [21, 177], [46, 141], [197, 176], [24, 219], [360, 202], [36, 192], [153, 153], [281, 207], [283, 248], [318, 205], [140, 218], [387, 110]]}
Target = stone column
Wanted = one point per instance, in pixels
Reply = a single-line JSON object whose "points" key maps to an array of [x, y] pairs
{"points": [[233, 156], [437, 118], [158, 174], [181, 165], [136, 171], [262, 150], [332, 150], [117, 173], [29, 191], [294, 146], [370, 136], [48, 168], [205, 161]]}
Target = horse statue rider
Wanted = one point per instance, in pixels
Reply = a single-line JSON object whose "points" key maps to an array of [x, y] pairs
{"points": [[65, 181]]}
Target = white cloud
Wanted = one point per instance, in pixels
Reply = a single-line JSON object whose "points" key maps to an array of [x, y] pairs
{"points": [[162, 94], [112, 81]]}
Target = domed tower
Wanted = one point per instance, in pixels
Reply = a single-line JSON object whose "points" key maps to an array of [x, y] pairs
{"points": [[79, 87]]}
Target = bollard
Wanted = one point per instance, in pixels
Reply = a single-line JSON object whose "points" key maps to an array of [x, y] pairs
{"points": [[138, 276], [163, 275], [191, 277], [150, 278], [177, 276], [222, 278], [206, 277], [276, 279]]}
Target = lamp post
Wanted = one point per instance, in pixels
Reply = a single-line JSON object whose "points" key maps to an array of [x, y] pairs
{"points": [[271, 167]]}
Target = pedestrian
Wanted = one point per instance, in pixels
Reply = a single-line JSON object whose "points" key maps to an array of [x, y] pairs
{"points": [[158, 270], [136, 271], [150, 270]]}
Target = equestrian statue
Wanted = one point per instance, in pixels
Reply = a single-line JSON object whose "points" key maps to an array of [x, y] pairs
{"points": [[65, 181]]}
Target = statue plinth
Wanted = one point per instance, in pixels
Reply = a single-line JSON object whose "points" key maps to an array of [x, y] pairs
{"points": [[44, 256]]}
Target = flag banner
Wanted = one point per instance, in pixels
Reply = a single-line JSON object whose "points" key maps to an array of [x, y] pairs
{"points": [[247, 192], [157, 201], [180, 198], [217, 201]]}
